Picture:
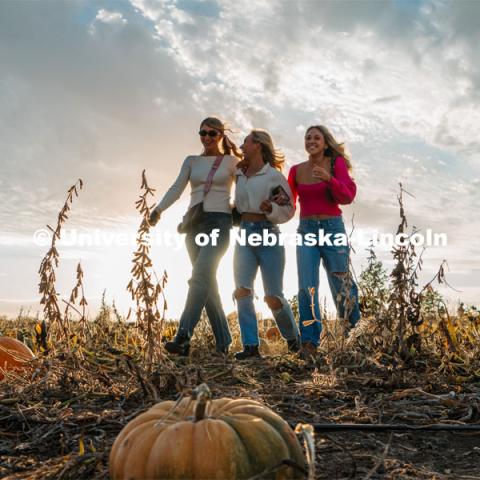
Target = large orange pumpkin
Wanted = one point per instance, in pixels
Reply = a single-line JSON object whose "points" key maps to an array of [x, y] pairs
{"points": [[13, 354], [237, 439]]}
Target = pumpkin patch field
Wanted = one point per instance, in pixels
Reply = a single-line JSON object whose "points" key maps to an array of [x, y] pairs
{"points": [[98, 397], [61, 414]]}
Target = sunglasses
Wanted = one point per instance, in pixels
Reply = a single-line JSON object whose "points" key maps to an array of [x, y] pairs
{"points": [[210, 133]]}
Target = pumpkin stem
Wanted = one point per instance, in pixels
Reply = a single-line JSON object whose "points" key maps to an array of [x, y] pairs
{"points": [[202, 395], [306, 430]]}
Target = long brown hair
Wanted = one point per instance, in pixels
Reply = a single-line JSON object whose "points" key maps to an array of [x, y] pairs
{"points": [[334, 149], [229, 148], [270, 154]]}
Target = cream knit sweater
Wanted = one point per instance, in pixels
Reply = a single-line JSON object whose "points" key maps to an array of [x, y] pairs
{"points": [[195, 169]]}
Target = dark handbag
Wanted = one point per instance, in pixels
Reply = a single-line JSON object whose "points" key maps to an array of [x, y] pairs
{"points": [[193, 217], [194, 214]]}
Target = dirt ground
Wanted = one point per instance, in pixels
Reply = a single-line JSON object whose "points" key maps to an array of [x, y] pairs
{"points": [[63, 424]]}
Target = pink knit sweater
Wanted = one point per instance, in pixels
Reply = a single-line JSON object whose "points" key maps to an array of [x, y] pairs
{"points": [[323, 198]]}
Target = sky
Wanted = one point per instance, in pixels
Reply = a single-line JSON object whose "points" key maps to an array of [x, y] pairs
{"points": [[102, 90]]}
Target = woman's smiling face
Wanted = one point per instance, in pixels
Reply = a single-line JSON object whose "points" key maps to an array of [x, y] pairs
{"points": [[314, 142]]}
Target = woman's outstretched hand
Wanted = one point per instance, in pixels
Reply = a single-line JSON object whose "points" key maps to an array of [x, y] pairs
{"points": [[154, 217]]}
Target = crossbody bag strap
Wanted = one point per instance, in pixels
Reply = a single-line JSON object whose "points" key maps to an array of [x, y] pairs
{"points": [[208, 183]]}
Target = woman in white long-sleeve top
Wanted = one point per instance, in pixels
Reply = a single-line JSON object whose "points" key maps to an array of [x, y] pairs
{"points": [[260, 184], [211, 176]]}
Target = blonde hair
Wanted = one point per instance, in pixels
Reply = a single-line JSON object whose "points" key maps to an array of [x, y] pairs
{"points": [[229, 148], [334, 149], [270, 154]]}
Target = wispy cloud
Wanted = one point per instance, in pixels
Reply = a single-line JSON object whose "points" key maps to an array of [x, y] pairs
{"points": [[106, 16]]}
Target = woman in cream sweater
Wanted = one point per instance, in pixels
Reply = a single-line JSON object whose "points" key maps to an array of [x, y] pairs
{"points": [[203, 287]]}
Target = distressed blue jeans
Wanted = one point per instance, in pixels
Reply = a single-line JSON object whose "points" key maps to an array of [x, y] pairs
{"points": [[335, 260], [271, 261], [203, 287]]}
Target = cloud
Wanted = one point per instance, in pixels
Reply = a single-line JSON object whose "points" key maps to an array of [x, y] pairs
{"points": [[405, 51], [106, 16], [82, 107]]}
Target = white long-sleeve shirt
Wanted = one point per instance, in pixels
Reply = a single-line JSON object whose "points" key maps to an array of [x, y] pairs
{"points": [[195, 169], [250, 192]]}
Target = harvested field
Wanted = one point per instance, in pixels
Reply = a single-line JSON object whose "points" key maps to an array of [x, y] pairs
{"points": [[59, 417]]}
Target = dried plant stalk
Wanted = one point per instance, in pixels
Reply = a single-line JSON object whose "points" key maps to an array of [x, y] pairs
{"points": [[77, 291], [48, 267], [144, 291]]}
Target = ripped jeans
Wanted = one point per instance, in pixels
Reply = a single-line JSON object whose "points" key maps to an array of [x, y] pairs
{"points": [[271, 260], [336, 262]]}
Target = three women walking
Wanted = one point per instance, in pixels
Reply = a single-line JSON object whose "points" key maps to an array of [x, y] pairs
{"points": [[263, 198]]}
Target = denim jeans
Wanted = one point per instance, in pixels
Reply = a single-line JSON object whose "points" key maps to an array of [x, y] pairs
{"points": [[271, 260], [203, 287], [335, 260]]}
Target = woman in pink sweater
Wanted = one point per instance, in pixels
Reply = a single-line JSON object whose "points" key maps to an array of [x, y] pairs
{"points": [[322, 183]]}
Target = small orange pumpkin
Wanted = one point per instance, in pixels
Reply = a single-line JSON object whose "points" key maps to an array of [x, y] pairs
{"points": [[273, 334], [239, 438], [13, 354]]}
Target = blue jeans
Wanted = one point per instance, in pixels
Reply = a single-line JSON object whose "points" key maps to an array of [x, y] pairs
{"points": [[335, 260], [271, 260], [203, 287]]}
